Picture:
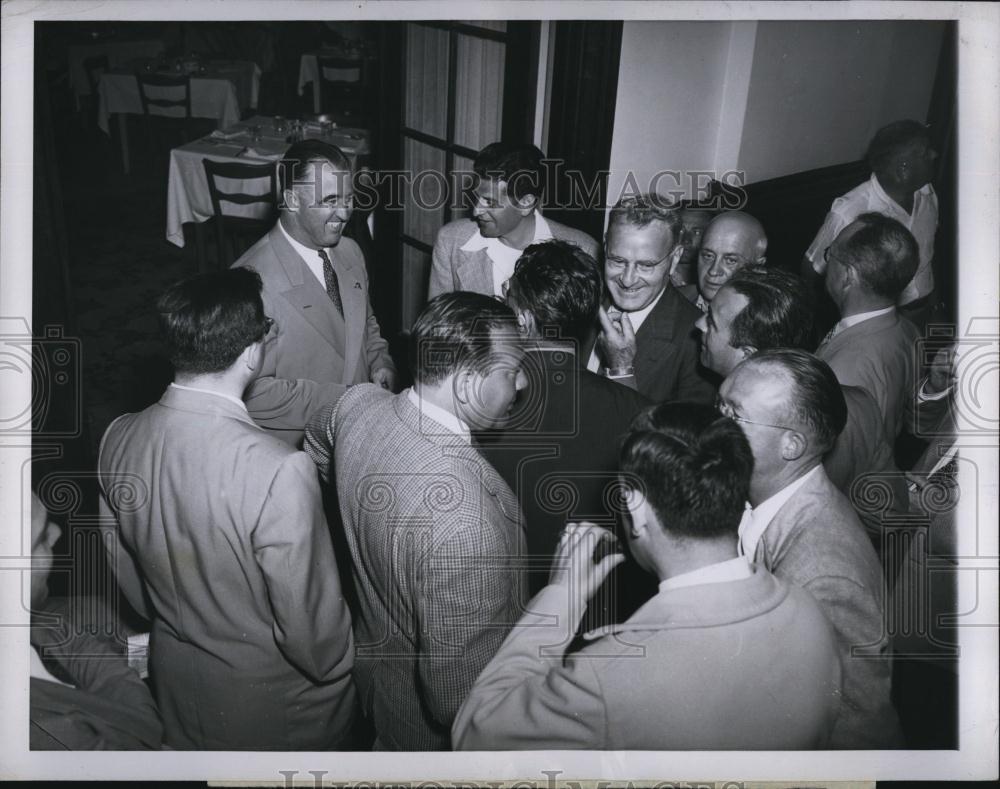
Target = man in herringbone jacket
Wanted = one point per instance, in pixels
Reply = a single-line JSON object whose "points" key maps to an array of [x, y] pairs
{"points": [[435, 534]]}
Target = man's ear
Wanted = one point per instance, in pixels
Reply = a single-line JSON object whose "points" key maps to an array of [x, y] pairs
{"points": [[460, 385], [793, 445], [291, 199], [675, 258], [526, 204], [747, 351], [761, 261]]}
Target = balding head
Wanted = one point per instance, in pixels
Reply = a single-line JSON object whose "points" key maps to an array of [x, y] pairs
{"points": [[732, 241]]}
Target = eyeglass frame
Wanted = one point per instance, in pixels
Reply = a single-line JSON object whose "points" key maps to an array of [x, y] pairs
{"points": [[722, 407], [269, 323], [728, 267], [642, 266]]}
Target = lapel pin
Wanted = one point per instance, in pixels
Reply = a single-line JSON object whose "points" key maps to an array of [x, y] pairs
{"points": [[357, 285]]}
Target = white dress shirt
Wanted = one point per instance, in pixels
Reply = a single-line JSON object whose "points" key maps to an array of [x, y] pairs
{"points": [[503, 256], [444, 418], [756, 520], [309, 256], [854, 320], [718, 573]]}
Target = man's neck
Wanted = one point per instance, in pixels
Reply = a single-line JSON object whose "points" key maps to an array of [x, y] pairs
{"points": [[438, 394], [857, 303], [687, 555], [762, 488], [902, 196], [522, 235], [288, 226], [226, 383]]}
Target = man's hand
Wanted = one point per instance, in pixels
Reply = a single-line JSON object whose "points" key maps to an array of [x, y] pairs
{"points": [[385, 377], [941, 373], [616, 340], [574, 564]]}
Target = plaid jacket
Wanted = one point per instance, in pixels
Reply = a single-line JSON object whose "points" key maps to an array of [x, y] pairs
{"points": [[435, 537]]}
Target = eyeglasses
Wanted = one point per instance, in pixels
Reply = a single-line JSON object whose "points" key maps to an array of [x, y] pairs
{"points": [[642, 266], [827, 257], [268, 323], [731, 262], [727, 410]]}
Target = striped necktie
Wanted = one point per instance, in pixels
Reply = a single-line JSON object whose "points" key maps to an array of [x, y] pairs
{"points": [[332, 284]]}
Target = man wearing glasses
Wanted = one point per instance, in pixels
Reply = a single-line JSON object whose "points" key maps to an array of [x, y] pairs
{"points": [[803, 530], [218, 538], [647, 339], [732, 241]]}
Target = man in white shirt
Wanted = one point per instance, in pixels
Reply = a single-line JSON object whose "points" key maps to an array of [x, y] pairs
{"points": [[217, 536], [479, 254], [724, 655], [326, 336], [872, 346], [647, 339], [435, 534], [804, 530], [902, 163]]}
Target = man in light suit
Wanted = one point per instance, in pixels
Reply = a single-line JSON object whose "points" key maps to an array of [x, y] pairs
{"points": [[647, 339], [316, 288], [435, 533], [724, 656], [479, 254], [217, 536], [872, 345], [804, 531]]}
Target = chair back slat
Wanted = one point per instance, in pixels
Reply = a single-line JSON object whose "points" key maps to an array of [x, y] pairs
{"points": [[168, 92], [229, 226]]}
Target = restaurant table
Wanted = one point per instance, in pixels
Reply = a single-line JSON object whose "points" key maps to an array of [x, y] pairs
{"points": [[119, 53], [220, 92], [309, 72], [188, 199]]}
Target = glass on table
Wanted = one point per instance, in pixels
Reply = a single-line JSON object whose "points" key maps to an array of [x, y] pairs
{"points": [[254, 132], [280, 125]]}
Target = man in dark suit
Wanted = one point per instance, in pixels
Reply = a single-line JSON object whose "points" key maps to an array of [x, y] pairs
{"points": [[872, 345], [326, 336], [479, 254], [647, 339], [217, 536], [559, 452]]}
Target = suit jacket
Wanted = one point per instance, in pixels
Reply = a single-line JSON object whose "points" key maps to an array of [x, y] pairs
{"points": [[312, 353], [227, 551], [878, 355], [742, 664], [690, 292], [815, 541], [456, 269], [435, 537], [667, 351], [110, 707]]}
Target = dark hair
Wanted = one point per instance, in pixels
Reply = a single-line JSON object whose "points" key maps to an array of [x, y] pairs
{"points": [[890, 139], [519, 165], [302, 155], [883, 253], [642, 210], [816, 401], [693, 466], [560, 285], [779, 310], [210, 319], [455, 332]]}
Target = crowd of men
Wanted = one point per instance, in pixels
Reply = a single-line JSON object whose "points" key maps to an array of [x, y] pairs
{"points": [[622, 504]]}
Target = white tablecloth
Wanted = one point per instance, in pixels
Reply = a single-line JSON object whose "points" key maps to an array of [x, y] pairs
{"points": [[188, 199], [309, 72], [218, 94], [119, 53]]}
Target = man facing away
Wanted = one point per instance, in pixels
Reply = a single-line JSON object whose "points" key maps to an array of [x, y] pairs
{"points": [[479, 254], [647, 337], [732, 241], [902, 162], [435, 533], [316, 289], [803, 529], [724, 656], [221, 542]]}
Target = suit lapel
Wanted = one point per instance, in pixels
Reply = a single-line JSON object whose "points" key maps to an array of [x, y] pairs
{"points": [[353, 297], [656, 331], [475, 272]]}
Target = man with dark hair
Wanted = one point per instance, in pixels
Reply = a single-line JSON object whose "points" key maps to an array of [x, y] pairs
{"points": [[221, 542], [647, 337], [479, 254], [803, 529], [760, 309], [872, 346], [316, 289], [435, 533], [695, 219], [902, 162], [559, 452], [733, 240], [724, 656]]}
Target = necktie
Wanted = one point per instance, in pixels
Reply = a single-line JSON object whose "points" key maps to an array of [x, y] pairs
{"points": [[829, 336], [332, 285]]}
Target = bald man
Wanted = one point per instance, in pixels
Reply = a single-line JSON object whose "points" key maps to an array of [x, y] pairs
{"points": [[732, 241]]}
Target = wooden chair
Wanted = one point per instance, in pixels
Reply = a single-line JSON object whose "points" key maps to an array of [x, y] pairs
{"points": [[235, 234], [342, 97], [171, 93]]}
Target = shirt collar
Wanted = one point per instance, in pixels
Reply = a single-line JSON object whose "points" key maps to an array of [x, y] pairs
{"points": [[701, 304], [720, 572], [309, 255], [230, 398], [478, 241], [444, 418], [638, 317], [753, 528], [853, 320], [881, 194]]}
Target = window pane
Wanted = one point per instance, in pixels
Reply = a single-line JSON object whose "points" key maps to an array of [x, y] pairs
{"points": [[416, 276], [426, 196], [489, 24], [427, 80], [462, 178], [478, 91]]}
